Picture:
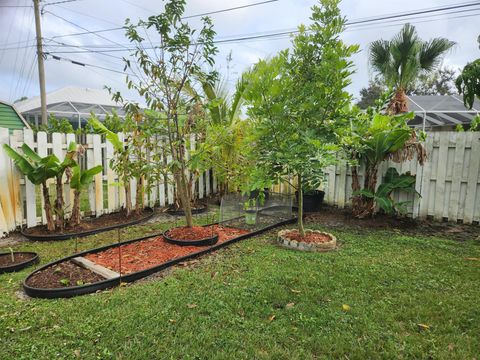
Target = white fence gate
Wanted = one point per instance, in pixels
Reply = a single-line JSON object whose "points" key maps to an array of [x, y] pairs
{"points": [[19, 198]]}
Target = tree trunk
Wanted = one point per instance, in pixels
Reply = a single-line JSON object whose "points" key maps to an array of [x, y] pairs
{"points": [[128, 198], [356, 199], [399, 102], [47, 206], [367, 205], [185, 201], [301, 229], [75, 217], [59, 203], [139, 195]]}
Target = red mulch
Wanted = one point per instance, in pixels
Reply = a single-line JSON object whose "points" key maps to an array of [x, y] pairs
{"points": [[148, 253], [310, 237], [192, 233]]}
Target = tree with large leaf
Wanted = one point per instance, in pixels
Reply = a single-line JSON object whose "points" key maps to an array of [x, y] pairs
{"points": [[79, 182], [225, 132], [38, 170], [373, 137], [403, 59]]}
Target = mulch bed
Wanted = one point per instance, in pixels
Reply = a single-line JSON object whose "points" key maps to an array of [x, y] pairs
{"points": [[6, 260], [342, 218], [193, 233], [309, 238], [145, 254], [91, 224], [65, 274]]}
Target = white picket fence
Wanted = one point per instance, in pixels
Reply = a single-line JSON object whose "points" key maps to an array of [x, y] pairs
{"points": [[19, 197]]}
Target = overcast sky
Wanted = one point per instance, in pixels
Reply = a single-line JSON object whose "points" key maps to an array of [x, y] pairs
{"points": [[18, 71]]}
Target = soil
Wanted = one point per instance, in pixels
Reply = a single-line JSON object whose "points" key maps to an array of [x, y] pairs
{"points": [[148, 253], [6, 259], [309, 238], [65, 274], [334, 217], [194, 233], [91, 224]]}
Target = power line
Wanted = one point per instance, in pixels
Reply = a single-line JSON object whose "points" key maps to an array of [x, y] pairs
{"points": [[270, 36], [59, 2], [186, 17], [358, 22], [230, 9], [16, 6], [59, 58]]}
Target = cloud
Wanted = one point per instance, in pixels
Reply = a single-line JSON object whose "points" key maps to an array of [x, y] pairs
{"points": [[281, 15]]}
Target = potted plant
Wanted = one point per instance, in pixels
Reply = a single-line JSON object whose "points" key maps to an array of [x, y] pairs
{"points": [[251, 210]]}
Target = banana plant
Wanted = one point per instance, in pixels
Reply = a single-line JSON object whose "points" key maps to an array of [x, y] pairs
{"points": [[383, 196], [38, 170], [121, 163], [79, 182]]}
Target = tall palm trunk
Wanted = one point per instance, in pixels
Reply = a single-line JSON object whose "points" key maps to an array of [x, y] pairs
{"points": [[47, 206], [399, 102]]}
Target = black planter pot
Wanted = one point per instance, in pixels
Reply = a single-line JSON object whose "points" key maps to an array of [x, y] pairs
{"points": [[312, 201], [179, 212], [202, 242], [254, 194], [16, 267]]}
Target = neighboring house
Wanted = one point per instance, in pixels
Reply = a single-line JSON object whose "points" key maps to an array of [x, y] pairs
{"points": [[440, 113], [10, 118], [72, 103]]}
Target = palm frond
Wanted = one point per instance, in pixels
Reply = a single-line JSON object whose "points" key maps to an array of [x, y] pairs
{"points": [[432, 52]]}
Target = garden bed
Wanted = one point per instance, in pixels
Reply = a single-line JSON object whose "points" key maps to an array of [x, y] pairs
{"points": [[21, 260], [88, 227], [139, 258], [64, 274]]}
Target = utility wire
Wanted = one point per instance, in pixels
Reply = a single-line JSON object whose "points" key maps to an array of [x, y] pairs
{"points": [[186, 17], [273, 36]]}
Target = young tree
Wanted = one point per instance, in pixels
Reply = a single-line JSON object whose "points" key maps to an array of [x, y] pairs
{"points": [[296, 101], [79, 182], [178, 59], [403, 59]]}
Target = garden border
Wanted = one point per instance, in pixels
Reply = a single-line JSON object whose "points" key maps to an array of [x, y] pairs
{"points": [[87, 232], [22, 265], [109, 283]]}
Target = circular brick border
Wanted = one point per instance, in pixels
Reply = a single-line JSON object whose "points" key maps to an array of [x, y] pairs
{"points": [[303, 246]]}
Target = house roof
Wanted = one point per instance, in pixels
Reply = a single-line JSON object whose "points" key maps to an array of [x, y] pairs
{"points": [[10, 118], [437, 110], [70, 94]]}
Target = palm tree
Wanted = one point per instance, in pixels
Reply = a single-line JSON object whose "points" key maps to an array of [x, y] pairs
{"points": [[401, 60]]}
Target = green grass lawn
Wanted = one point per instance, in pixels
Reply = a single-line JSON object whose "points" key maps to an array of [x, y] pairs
{"points": [[255, 300]]}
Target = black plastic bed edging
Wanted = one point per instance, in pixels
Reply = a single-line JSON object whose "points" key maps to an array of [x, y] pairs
{"points": [[109, 283], [22, 265], [202, 242], [54, 237]]}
